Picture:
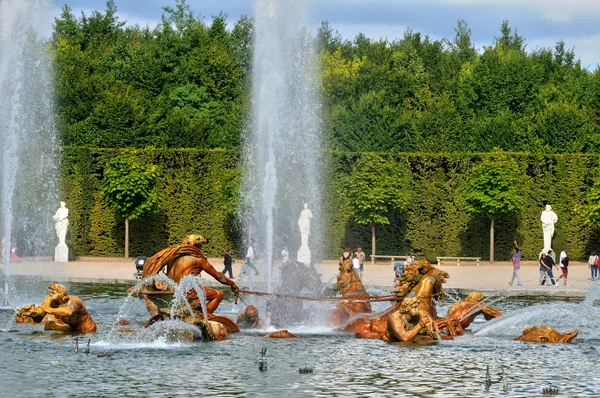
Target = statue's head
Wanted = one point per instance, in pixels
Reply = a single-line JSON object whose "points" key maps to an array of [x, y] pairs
{"points": [[194, 240], [568, 336], [58, 292], [474, 297], [62, 204], [548, 207], [410, 306], [306, 205]]}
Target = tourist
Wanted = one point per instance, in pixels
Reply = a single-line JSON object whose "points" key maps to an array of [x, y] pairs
{"points": [[409, 259], [593, 265], [285, 255], [398, 271], [564, 267], [543, 269], [550, 264], [361, 259], [356, 265], [13, 251], [228, 262], [516, 260], [346, 255], [563, 254], [250, 259]]}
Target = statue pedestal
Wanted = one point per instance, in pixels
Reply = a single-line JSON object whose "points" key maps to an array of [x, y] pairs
{"points": [[303, 255], [61, 253]]}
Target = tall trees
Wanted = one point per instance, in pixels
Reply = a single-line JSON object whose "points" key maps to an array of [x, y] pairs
{"points": [[376, 187], [493, 189]]}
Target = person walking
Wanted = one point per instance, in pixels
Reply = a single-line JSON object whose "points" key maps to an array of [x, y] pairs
{"points": [[516, 260], [361, 260], [543, 269], [228, 262], [593, 265], [564, 267], [250, 259], [550, 264], [409, 259]]}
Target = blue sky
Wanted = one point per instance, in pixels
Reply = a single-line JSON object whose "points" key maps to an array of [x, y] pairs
{"points": [[541, 22]]}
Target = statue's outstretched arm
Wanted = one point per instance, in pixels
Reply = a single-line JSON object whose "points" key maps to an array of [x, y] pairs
{"points": [[64, 311], [490, 313]]}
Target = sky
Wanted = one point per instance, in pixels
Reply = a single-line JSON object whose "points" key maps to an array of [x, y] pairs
{"points": [[541, 22]]}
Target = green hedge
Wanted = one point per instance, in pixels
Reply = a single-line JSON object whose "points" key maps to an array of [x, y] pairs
{"points": [[199, 193]]}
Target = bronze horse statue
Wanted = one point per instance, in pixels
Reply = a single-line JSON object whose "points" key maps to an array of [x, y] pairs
{"points": [[420, 280], [350, 286]]}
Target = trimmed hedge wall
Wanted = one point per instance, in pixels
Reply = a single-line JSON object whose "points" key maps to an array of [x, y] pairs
{"points": [[199, 191]]}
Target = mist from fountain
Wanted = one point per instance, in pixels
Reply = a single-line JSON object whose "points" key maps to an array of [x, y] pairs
{"points": [[283, 147], [30, 148]]}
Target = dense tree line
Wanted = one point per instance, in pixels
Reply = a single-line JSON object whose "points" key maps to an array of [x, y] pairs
{"points": [[185, 83]]}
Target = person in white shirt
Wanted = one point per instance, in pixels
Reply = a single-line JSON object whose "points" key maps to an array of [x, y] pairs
{"points": [[356, 265], [285, 255], [250, 258], [593, 264]]}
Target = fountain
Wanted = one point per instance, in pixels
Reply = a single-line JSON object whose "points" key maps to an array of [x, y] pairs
{"points": [[283, 147], [30, 148]]}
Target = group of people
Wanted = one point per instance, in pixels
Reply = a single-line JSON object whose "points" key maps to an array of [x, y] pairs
{"points": [[358, 259], [547, 264]]}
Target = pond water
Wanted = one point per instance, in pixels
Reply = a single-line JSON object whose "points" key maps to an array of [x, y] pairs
{"points": [[147, 363]]}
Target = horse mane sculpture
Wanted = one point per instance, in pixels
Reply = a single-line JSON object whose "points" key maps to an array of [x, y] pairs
{"points": [[463, 312], [350, 286]]}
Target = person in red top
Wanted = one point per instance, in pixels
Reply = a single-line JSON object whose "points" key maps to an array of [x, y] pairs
{"points": [[516, 260]]}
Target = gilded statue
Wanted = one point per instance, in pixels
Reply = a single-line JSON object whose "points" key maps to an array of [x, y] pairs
{"points": [[463, 312], [546, 334], [410, 322], [59, 311], [178, 262]]}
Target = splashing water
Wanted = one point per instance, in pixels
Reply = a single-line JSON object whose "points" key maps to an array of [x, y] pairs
{"points": [[283, 149], [562, 316], [30, 149]]}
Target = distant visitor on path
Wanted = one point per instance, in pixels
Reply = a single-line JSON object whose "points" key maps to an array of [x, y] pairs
{"points": [[409, 259], [564, 267], [516, 260], [360, 255], [593, 265], [228, 262], [61, 222], [549, 218], [250, 259]]}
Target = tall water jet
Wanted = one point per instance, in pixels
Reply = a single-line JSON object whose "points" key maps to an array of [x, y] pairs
{"points": [[283, 149], [30, 150]]}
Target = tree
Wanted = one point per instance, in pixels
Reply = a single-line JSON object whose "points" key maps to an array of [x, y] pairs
{"points": [[129, 188], [376, 187], [591, 209], [493, 189]]}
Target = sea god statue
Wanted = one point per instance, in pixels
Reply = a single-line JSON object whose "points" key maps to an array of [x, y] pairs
{"points": [[304, 225], [549, 218], [61, 223]]}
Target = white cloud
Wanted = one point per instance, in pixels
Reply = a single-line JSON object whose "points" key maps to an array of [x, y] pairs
{"points": [[555, 10]]}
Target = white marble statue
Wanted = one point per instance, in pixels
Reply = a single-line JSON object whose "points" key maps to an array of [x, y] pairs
{"points": [[549, 218], [61, 224], [304, 225]]}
